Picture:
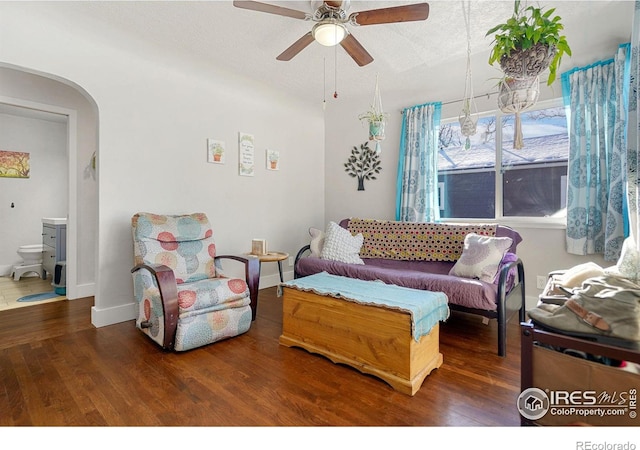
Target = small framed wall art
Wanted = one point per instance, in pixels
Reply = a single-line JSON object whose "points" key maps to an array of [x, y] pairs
{"points": [[14, 164], [273, 159], [246, 154], [215, 151]]}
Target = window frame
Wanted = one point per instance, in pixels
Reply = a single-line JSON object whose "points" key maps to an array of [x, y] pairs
{"points": [[559, 222]]}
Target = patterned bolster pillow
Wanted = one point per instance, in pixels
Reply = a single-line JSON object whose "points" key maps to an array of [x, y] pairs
{"points": [[411, 241]]}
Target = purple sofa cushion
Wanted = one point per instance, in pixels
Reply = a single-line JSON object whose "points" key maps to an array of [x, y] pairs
{"points": [[425, 275]]}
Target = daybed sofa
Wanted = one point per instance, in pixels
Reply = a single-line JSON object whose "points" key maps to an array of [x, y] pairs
{"points": [[450, 258]]}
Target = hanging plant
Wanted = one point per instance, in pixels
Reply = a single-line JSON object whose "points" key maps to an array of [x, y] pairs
{"points": [[528, 43], [376, 119], [363, 164]]}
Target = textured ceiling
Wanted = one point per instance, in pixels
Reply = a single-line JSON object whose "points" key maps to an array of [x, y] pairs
{"points": [[428, 55]]}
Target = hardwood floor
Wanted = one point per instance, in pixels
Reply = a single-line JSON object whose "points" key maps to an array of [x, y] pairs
{"points": [[56, 369]]}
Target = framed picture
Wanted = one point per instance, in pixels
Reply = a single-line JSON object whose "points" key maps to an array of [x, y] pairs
{"points": [[215, 151], [246, 155], [14, 164], [273, 159]]}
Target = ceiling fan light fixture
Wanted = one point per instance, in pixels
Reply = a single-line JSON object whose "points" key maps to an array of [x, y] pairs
{"points": [[329, 32]]}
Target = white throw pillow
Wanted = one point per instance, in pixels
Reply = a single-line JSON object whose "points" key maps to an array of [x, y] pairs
{"points": [[317, 241], [340, 245], [481, 257]]}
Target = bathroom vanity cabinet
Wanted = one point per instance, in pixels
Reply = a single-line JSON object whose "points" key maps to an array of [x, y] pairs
{"points": [[54, 243]]}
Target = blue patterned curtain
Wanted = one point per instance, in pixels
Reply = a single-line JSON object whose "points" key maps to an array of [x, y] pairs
{"points": [[417, 183], [596, 196], [633, 136]]}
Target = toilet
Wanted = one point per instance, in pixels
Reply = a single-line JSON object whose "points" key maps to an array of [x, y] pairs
{"points": [[31, 261]]}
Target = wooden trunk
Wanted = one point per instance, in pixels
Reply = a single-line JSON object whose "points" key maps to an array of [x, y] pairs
{"points": [[372, 339]]}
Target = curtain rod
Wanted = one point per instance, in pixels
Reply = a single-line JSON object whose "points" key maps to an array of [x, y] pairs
{"points": [[488, 95]]}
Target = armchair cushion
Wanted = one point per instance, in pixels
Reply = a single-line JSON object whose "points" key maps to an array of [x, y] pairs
{"points": [[182, 242], [212, 293]]}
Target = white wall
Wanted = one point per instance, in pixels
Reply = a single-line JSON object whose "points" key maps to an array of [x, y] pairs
{"points": [[154, 119], [25, 201]]}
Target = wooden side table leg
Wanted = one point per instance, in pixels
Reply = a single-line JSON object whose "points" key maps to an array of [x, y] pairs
{"points": [[280, 271]]}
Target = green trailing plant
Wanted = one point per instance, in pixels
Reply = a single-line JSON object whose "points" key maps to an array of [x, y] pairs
{"points": [[373, 115], [363, 164], [527, 28]]}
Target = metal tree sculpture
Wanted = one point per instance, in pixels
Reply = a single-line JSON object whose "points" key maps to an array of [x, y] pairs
{"points": [[363, 164]]}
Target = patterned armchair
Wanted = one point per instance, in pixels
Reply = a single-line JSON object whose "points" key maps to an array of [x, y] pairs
{"points": [[183, 299]]}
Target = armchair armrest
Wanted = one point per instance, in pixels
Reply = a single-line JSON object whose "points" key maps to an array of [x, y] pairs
{"points": [[302, 251], [503, 287], [252, 277], [503, 293], [166, 282]]}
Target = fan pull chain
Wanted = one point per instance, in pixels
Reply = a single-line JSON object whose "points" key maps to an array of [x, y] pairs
{"points": [[324, 84], [335, 92]]}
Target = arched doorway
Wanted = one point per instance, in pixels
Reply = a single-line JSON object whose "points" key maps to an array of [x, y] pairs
{"points": [[47, 94]]}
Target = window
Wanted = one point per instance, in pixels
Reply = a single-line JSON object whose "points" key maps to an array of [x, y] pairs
{"points": [[531, 181]]}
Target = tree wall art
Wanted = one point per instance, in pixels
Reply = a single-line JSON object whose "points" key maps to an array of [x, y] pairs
{"points": [[363, 164]]}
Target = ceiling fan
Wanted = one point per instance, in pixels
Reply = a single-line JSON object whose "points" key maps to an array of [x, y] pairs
{"points": [[331, 20]]}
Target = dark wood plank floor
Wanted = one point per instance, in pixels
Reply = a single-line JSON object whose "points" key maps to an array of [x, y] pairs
{"points": [[56, 369]]}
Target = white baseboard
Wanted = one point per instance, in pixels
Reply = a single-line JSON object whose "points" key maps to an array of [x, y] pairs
{"points": [[113, 315], [83, 290]]}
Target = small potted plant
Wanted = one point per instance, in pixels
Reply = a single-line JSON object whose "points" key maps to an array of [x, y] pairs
{"points": [[218, 151], [376, 120], [273, 160], [529, 42]]}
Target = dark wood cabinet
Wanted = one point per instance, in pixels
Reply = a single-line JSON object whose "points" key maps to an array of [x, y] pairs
{"points": [[579, 391]]}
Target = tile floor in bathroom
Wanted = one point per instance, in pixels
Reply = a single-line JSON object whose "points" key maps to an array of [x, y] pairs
{"points": [[11, 291]]}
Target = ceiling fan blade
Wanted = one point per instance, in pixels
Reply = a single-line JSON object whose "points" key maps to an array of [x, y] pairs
{"points": [[271, 9], [407, 13], [296, 47], [356, 50]]}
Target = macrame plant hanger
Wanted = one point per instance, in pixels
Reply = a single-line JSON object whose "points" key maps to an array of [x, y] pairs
{"points": [[518, 92], [376, 128], [468, 123]]}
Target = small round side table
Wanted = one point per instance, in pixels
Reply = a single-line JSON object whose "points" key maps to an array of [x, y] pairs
{"points": [[273, 257]]}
